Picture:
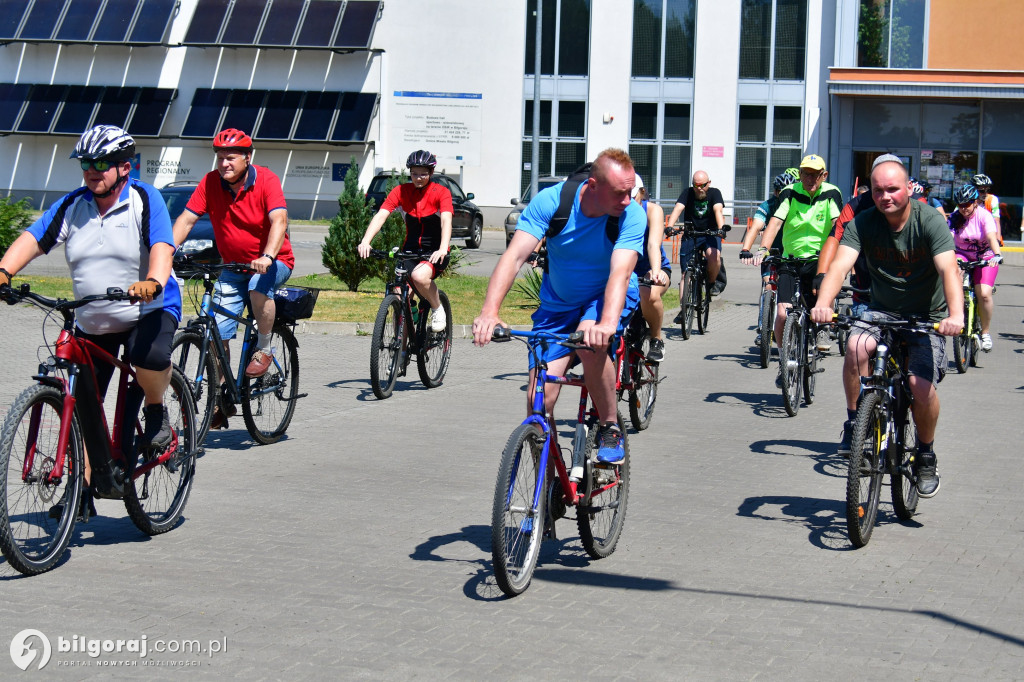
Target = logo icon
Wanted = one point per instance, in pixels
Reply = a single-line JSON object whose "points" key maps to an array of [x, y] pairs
{"points": [[23, 652]]}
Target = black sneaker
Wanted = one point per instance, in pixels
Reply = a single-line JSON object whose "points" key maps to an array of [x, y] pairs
{"points": [[678, 319], [158, 432], [657, 351], [717, 289], [845, 445], [778, 378], [86, 508], [927, 475]]}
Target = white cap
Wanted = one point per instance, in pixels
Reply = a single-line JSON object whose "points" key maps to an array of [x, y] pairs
{"points": [[637, 187], [886, 158]]}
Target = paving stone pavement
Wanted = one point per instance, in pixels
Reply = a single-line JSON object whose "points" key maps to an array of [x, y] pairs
{"points": [[358, 547]]}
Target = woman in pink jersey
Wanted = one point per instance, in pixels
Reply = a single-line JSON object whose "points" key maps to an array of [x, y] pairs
{"points": [[975, 237]]}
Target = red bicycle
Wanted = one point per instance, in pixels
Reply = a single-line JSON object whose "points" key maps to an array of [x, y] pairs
{"points": [[54, 424]]}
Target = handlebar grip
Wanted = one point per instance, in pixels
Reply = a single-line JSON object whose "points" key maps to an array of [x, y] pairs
{"points": [[576, 337], [501, 334]]}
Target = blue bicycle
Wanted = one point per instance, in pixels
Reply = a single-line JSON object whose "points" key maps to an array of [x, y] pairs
{"points": [[535, 488]]}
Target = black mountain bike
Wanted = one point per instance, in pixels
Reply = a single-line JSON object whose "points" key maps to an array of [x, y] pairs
{"points": [[798, 351], [402, 329], [695, 299], [884, 436]]}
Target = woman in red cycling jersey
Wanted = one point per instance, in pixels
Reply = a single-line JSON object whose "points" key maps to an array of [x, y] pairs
{"points": [[427, 207]]}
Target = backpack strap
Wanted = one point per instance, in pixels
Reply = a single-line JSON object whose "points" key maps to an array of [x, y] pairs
{"points": [[567, 197]]}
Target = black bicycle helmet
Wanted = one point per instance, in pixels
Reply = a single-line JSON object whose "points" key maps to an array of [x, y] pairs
{"points": [[104, 142], [421, 157], [981, 180], [965, 194], [783, 180]]}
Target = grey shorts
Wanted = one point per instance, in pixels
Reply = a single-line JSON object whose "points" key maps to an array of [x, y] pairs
{"points": [[926, 352]]}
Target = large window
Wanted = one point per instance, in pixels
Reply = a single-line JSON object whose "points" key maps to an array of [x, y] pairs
{"points": [[563, 152], [659, 144], [890, 33], [773, 39], [569, 20], [768, 142], [663, 38]]}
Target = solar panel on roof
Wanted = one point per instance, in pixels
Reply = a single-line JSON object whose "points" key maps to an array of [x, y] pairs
{"points": [[150, 111], [116, 20], [281, 23], [76, 114], [204, 115], [278, 115], [206, 22], [41, 20], [78, 20], [355, 109], [243, 109], [12, 98], [153, 21], [244, 22], [316, 116], [317, 28], [357, 24], [41, 107], [11, 13]]}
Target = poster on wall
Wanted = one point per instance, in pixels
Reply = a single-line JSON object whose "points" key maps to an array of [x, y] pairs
{"points": [[448, 124]]}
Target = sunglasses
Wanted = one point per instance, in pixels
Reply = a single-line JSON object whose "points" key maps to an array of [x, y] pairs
{"points": [[702, 185], [99, 165], [966, 204]]}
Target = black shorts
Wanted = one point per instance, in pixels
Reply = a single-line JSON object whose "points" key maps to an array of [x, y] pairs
{"points": [[787, 283], [147, 345]]}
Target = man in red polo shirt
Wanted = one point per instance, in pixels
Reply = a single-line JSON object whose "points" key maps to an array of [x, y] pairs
{"points": [[250, 221]]}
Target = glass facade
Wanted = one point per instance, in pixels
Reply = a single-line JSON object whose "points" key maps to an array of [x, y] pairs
{"points": [[773, 39], [768, 142], [562, 153], [891, 33], [569, 20], [659, 144], [663, 27]]}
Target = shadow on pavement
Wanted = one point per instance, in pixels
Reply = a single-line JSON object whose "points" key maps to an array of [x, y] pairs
{"points": [[763, 405]]}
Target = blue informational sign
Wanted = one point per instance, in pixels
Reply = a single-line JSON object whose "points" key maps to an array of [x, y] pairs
{"points": [[338, 171], [136, 164]]}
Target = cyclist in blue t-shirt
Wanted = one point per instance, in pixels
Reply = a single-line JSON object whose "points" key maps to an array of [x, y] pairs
{"points": [[589, 286]]}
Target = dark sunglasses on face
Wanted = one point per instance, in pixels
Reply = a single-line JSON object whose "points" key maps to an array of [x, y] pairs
{"points": [[99, 165], [701, 185], [966, 204]]}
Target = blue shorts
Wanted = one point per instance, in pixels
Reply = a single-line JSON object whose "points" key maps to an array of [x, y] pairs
{"points": [[232, 291], [926, 353], [566, 322]]}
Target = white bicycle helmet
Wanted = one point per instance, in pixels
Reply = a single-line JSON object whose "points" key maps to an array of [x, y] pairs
{"points": [[104, 142]]}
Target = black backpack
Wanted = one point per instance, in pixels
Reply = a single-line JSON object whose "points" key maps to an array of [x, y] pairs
{"points": [[566, 199]]}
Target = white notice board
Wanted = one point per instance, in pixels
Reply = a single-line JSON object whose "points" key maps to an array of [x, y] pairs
{"points": [[447, 124]]}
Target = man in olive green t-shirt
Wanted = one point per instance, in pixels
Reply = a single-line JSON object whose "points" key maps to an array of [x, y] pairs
{"points": [[913, 271]]}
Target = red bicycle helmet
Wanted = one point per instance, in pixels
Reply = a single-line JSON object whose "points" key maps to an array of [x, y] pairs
{"points": [[232, 138]]}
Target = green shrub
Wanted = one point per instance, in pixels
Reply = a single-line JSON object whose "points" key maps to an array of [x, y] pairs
{"points": [[15, 216], [346, 231]]}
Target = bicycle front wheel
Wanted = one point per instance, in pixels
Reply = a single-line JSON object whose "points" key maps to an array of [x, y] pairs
{"points": [[602, 510], [962, 343], [643, 386], [687, 302], [517, 527], [436, 352], [767, 316], [157, 496], [386, 350], [202, 381], [37, 516], [864, 476], [901, 481], [268, 401], [789, 360]]}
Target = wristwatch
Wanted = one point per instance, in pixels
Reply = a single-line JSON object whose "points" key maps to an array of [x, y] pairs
{"points": [[267, 255]]}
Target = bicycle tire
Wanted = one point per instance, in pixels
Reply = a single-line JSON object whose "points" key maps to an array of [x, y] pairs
{"points": [[602, 509], [202, 381], [767, 315], [962, 343], [268, 401], [703, 293], [386, 349], [643, 390], [863, 487], [31, 541], [789, 361], [902, 485], [516, 528], [155, 500], [811, 367], [843, 334], [435, 354], [686, 301], [975, 340]]}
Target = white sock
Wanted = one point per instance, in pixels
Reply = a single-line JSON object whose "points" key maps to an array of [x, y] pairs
{"points": [[263, 342]]}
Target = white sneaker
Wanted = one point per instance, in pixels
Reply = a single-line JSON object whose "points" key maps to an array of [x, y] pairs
{"points": [[986, 342], [438, 320]]}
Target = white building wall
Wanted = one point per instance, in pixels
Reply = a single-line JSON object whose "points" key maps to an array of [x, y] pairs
{"points": [[716, 66], [611, 31]]}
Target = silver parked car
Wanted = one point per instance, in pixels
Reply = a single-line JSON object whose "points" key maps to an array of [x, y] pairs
{"points": [[520, 205]]}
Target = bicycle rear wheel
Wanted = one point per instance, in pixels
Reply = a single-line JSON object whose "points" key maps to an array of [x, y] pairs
{"points": [[864, 476], [687, 302], [602, 510], [644, 386], [268, 402], [517, 528], [703, 305], [155, 499], [436, 352], [811, 368], [766, 314], [842, 334], [974, 345], [202, 381], [789, 360], [31, 539], [387, 346], [901, 481]]}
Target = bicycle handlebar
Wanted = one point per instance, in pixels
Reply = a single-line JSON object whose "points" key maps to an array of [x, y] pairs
{"points": [[395, 253], [181, 259], [12, 296], [501, 334], [913, 325]]}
